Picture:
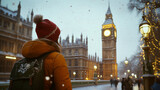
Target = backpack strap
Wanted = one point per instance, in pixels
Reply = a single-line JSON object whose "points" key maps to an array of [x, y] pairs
{"points": [[42, 57]]}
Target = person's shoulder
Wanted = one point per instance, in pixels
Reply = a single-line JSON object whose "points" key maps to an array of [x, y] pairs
{"points": [[54, 55]]}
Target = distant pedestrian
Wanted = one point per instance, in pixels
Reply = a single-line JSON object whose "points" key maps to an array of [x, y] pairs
{"points": [[111, 81], [139, 83], [123, 84], [116, 83], [128, 83], [156, 85]]}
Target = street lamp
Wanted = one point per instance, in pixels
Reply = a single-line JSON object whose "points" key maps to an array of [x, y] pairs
{"points": [[135, 76], [95, 74], [132, 74], [128, 70], [145, 29], [111, 75], [74, 73], [126, 61], [95, 67]]}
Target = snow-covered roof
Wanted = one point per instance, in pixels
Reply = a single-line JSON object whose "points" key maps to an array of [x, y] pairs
{"points": [[108, 21], [78, 41], [6, 10], [10, 53], [9, 12]]}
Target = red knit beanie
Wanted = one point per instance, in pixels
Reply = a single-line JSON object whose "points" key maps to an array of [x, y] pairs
{"points": [[46, 28]]}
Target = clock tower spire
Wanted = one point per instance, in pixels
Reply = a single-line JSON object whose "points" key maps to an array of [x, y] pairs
{"points": [[109, 47]]}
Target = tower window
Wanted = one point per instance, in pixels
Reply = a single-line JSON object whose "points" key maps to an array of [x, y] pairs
{"points": [[70, 62], [0, 21], [76, 62], [13, 26], [5, 24], [28, 32]]}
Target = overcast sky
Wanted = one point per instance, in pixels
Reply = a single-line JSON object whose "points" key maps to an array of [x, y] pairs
{"points": [[86, 17]]}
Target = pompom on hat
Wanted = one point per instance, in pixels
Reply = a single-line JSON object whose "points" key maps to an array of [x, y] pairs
{"points": [[46, 29]]}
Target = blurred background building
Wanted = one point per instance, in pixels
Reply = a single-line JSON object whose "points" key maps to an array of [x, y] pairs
{"points": [[14, 32], [80, 64]]}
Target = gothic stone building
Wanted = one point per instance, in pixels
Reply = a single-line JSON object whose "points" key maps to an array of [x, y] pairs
{"points": [[80, 65], [109, 47], [14, 32]]}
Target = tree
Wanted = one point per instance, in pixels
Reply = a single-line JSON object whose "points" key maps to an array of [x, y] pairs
{"points": [[134, 65], [151, 10]]}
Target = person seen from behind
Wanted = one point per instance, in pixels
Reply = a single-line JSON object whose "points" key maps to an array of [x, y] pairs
{"points": [[111, 81], [56, 75], [123, 83]]}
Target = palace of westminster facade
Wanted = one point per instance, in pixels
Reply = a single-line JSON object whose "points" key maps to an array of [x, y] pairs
{"points": [[15, 31]]}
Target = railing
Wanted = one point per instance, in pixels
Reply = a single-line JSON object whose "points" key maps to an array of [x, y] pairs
{"points": [[82, 83], [4, 85], [75, 83]]}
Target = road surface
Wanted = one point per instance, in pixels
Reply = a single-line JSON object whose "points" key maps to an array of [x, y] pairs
{"points": [[103, 87]]}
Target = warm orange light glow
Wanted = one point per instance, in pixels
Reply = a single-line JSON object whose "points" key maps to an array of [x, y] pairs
{"points": [[107, 33], [145, 29], [108, 26], [128, 70], [97, 75], [126, 62], [74, 73], [115, 33], [95, 67], [111, 75], [11, 57], [118, 78]]}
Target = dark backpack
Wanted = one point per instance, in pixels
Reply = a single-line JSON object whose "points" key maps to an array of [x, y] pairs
{"points": [[28, 74]]}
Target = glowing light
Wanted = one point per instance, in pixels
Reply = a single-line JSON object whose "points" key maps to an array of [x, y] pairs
{"points": [[126, 62], [10, 57], [135, 76], [51, 75], [47, 78], [118, 78], [97, 75], [145, 29], [128, 70], [74, 73], [111, 75], [62, 85], [107, 33], [95, 67]]}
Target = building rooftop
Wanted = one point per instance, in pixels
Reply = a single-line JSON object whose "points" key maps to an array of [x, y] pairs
{"points": [[8, 11], [108, 21]]}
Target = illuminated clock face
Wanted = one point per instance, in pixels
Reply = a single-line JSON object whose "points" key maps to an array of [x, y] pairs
{"points": [[107, 33], [115, 33]]}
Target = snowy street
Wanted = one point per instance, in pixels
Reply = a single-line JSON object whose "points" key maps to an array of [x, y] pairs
{"points": [[103, 87]]}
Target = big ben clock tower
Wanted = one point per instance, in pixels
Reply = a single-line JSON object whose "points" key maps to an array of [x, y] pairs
{"points": [[109, 35]]}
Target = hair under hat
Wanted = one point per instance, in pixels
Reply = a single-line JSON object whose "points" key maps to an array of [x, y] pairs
{"points": [[46, 29]]}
